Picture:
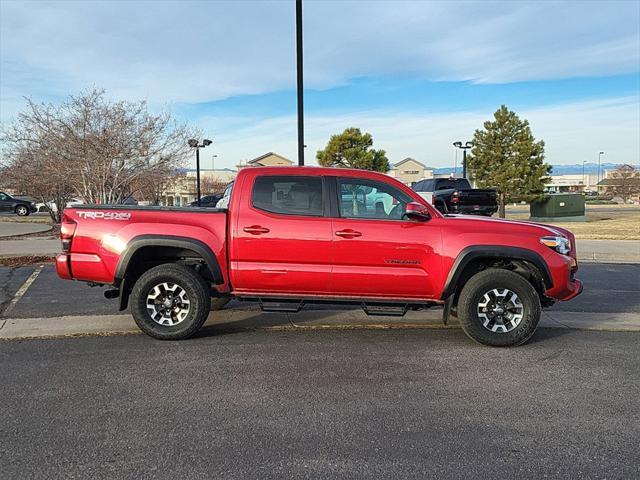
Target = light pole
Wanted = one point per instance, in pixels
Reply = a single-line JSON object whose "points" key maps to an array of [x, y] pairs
{"points": [[583, 181], [299, 82], [464, 148], [193, 143], [213, 162], [598, 184]]}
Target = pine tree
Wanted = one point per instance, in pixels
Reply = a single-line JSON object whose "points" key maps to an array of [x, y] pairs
{"points": [[506, 156], [352, 149]]}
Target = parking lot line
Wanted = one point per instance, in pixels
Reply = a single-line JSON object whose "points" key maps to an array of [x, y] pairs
{"points": [[23, 289]]}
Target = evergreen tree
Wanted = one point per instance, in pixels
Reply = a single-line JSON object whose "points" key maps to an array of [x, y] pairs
{"points": [[506, 156], [352, 149]]}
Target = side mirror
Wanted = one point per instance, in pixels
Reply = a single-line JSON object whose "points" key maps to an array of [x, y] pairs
{"points": [[418, 212]]}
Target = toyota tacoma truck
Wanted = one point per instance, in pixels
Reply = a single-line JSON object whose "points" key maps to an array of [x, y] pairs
{"points": [[455, 195], [297, 235]]}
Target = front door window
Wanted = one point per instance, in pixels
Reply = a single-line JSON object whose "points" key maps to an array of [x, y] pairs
{"points": [[372, 200]]}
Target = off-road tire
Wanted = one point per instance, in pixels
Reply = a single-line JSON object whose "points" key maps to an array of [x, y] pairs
{"points": [[22, 211], [472, 294], [196, 290]]}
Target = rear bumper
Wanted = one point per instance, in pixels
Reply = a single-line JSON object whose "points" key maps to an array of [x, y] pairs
{"points": [[474, 209], [84, 267], [63, 266]]}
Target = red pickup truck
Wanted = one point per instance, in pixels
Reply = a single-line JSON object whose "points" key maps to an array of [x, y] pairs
{"points": [[296, 235]]}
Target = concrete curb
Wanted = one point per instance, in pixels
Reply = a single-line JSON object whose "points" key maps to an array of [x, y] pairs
{"points": [[238, 320]]}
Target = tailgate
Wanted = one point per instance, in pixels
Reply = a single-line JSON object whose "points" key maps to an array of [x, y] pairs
{"points": [[485, 197]]}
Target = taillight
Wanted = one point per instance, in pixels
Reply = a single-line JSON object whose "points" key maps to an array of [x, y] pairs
{"points": [[67, 229], [455, 197]]}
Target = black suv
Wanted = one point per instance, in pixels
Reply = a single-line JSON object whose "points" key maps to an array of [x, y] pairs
{"points": [[20, 207]]}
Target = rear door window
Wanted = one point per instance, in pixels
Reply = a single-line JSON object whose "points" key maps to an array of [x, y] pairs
{"points": [[289, 195]]}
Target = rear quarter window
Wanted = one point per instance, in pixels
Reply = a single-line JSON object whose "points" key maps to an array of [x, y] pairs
{"points": [[289, 195]]}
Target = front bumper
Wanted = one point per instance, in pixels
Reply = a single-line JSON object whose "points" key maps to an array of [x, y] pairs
{"points": [[563, 269]]}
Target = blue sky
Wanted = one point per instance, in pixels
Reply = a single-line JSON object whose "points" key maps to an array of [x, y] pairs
{"points": [[418, 75]]}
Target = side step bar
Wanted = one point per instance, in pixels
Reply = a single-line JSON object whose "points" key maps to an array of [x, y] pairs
{"points": [[281, 305], [373, 308], [384, 309]]}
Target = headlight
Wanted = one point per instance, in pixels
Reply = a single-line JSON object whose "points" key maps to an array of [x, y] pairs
{"points": [[559, 244]]}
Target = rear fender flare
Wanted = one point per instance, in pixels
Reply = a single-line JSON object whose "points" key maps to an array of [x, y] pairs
{"points": [[142, 241]]}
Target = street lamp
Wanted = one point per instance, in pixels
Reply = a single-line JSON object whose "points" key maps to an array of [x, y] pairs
{"points": [[193, 143], [464, 148], [583, 181], [598, 184], [213, 162]]}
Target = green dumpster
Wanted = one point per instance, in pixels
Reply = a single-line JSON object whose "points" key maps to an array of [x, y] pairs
{"points": [[567, 207]]}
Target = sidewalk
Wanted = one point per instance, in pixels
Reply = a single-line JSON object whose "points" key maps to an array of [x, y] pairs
{"points": [[31, 246], [609, 251], [250, 319], [9, 229], [599, 251]]}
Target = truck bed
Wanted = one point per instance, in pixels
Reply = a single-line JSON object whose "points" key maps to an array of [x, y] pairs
{"points": [[101, 233]]}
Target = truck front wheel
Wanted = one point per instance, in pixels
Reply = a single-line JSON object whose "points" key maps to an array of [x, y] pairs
{"points": [[170, 302], [499, 308]]}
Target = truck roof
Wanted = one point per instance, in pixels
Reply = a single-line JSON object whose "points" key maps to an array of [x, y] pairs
{"points": [[314, 170]]}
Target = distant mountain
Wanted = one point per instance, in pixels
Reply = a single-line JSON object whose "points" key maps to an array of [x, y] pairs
{"points": [[575, 169]]}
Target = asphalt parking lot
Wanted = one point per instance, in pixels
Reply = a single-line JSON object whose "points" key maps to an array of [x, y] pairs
{"points": [[612, 288], [355, 404]]}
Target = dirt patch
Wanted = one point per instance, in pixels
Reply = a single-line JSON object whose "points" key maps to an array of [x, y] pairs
{"points": [[26, 260]]}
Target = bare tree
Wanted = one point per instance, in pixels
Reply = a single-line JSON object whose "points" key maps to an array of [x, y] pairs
{"points": [[210, 185], [624, 181], [100, 150]]}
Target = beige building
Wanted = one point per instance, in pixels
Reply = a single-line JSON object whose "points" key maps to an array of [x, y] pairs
{"points": [[270, 159], [572, 183], [410, 170]]}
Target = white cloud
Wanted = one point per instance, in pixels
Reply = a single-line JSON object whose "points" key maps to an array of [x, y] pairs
{"points": [[572, 132], [174, 51]]}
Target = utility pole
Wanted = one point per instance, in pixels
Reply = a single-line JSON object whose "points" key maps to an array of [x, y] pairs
{"points": [[300, 82], [598, 184]]}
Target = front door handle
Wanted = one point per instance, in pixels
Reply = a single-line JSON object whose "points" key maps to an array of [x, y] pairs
{"points": [[348, 233], [256, 230]]}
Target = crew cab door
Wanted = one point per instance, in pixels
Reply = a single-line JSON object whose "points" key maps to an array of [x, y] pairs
{"points": [[6, 202], [378, 252], [282, 240]]}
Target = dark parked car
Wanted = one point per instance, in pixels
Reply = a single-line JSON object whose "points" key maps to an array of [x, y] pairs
{"points": [[455, 195], [15, 205], [208, 201]]}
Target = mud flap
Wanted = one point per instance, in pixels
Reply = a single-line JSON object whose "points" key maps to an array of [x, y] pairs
{"points": [[446, 313]]}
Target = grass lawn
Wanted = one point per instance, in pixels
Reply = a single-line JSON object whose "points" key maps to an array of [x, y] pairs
{"points": [[616, 223]]}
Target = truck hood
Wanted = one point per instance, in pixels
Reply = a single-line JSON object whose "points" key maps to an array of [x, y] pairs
{"points": [[497, 224]]}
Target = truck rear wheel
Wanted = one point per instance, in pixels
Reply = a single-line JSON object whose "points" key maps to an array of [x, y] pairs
{"points": [[499, 308], [170, 302]]}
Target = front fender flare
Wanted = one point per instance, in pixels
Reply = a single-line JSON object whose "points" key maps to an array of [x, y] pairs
{"points": [[476, 252]]}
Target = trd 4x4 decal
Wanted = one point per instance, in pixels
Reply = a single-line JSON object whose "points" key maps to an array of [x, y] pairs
{"points": [[104, 215]]}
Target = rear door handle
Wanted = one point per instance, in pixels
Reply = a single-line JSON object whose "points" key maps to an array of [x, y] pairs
{"points": [[256, 230], [348, 233]]}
